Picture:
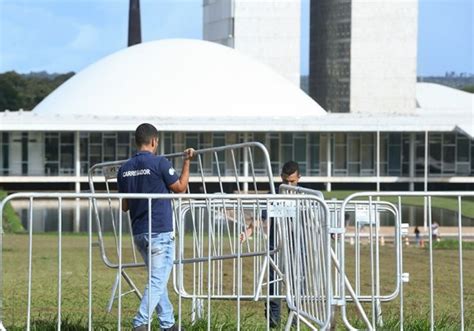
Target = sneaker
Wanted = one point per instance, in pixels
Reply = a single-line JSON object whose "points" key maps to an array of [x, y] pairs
{"points": [[173, 328], [143, 327]]}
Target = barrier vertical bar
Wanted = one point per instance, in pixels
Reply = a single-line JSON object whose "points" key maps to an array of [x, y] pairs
{"points": [[60, 230], [30, 258], [209, 264], [119, 305], [89, 229], [219, 175], [252, 168], [377, 266], [399, 247], [150, 311], [357, 253], [201, 170], [236, 172], [132, 242], [267, 260], [372, 274], [2, 328], [239, 263], [246, 165], [180, 267], [461, 276], [298, 264], [425, 179], [378, 161], [431, 265]]}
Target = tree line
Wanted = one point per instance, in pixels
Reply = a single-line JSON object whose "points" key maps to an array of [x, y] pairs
{"points": [[25, 91]]}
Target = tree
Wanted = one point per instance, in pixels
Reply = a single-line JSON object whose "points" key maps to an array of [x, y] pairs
{"points": [[468, 88], [27, 90], [9, 96]]}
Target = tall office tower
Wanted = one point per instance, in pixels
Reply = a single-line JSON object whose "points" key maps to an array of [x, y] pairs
{"points": [[134, 23], [266, 30], [363, 55]]}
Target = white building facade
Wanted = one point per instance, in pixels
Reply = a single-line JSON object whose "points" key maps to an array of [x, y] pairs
{"points": [[363, 55], [50, 156], [220, 97], [268, 31]]}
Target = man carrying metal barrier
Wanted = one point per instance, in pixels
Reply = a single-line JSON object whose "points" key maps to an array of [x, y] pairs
{"points": [[290, 175], [147, 172]]}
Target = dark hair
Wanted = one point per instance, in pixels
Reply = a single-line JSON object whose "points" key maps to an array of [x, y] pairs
{"points": [[144, 133], [289, 168]]}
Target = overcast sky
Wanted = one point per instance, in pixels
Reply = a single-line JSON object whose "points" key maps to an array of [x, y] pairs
{"points": [[67, 35]]}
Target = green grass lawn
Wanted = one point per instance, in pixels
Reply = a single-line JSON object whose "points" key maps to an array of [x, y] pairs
{"points": [[223, 313]]}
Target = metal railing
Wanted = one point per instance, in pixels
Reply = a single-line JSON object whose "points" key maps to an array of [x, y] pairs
{"points": [[374, 241], [212, 262], [314, 273]]}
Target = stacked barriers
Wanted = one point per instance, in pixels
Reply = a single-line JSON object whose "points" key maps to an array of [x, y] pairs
{"points": [[219, 222], [199, 221], [303, 228], [315, 275]]}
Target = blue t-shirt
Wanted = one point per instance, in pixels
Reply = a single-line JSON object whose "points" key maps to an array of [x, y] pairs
{"points": [[148, 173]]}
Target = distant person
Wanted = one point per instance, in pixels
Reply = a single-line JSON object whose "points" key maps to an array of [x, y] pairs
{"points": [[435, 231], [290, 175], [347, 219], [417, 236], [147, 172]]}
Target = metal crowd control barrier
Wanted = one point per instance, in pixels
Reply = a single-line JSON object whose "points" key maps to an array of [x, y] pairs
{"points": [[320, 240], [304, 231], [222, 225], [232, 162], [309, 284], [293, 212], [374, 297]]}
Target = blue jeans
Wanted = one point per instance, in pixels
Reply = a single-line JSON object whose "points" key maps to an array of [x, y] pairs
{"points": [[162, 257]]}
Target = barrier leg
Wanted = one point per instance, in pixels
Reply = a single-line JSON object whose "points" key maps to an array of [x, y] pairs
{"points": [[132, 285], [112, 294], [196, 310], [114, 290], [260, 279], [290, 320], [332, 323], [378, 313], [351, 292]]}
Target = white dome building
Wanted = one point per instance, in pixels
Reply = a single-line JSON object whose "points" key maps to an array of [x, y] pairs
{"points": [[179, 80]]}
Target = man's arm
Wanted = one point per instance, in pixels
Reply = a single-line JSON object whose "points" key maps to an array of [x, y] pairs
{"points": [[247, 233], [182, 183]]}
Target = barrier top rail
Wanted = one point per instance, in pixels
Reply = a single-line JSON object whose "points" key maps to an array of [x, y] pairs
{"points": [[410, 194], [201, 152], [121, 196]]}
